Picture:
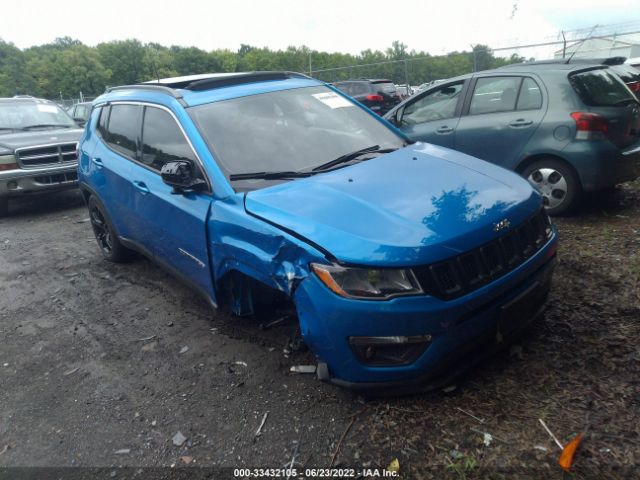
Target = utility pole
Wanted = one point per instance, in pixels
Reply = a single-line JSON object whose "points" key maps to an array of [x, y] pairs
{"points": [[475, 61], [406, 74], [564, 45]]}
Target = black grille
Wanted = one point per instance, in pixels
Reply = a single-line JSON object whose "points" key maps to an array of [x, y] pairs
{"points": [[47, 155], [57, 178], [464, 273]]}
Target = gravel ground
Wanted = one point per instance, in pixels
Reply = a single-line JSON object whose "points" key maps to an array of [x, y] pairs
{"points": [[102, 365]]}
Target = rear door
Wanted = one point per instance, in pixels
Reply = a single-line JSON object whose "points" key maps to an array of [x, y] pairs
{"points": [[499, 118], [170, 225], [110, 165], [433, 115]]}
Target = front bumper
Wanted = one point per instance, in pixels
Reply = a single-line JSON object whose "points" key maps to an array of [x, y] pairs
{"points": [[18, 182], [461, 329]]}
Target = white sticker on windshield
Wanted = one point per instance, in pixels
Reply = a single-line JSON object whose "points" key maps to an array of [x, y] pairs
{"points": [[47, 108], [332, 100]]}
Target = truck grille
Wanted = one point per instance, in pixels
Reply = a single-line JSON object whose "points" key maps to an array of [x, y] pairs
{"points": [[467, 272], [47, 155]]}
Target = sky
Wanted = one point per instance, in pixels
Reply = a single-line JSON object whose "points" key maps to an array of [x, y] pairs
{"points": [[348, 26]]}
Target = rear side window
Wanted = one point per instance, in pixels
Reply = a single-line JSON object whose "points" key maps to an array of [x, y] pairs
{"points": [[102, 123], [344, 87], [494, 94], [359, 88], [123, 129], [162, 140], [600, 88], [530, 97]]}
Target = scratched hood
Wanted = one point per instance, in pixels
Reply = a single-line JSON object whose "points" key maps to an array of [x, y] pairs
{"points": [[416, 205], [11, 141]]}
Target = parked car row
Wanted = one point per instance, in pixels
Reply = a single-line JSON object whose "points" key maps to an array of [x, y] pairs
{"points": [[404, 261], [566, 127]]}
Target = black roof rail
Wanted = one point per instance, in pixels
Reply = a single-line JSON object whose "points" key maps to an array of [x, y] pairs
{"points": [[207, 83], [151, 87], [237, 79]]}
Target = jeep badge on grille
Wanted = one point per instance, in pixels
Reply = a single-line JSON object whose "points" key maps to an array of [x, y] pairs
{"points": [[501, 225]]}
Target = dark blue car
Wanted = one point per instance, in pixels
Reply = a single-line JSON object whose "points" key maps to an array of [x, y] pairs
{"points": [[403, 261]]}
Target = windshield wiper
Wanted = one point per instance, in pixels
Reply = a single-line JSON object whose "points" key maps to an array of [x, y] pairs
{"points": [[268, 175], [625, 101], [351, 156], [44, 125]]}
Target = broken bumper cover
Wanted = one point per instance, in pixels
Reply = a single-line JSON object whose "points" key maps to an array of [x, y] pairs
{"points": [[34, 180], [457, 333]]}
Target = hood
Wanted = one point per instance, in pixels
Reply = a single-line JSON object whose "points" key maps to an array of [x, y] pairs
{"points": [[417, 205], [12, 141]]}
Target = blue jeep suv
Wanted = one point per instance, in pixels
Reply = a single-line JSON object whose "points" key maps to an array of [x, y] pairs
{"points": [[403, 261]]}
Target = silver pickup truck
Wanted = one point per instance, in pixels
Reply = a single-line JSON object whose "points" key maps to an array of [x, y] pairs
{"points": [[38, 148]]}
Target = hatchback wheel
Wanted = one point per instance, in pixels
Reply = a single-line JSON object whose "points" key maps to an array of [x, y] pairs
{"points": [[556, 182], [106, 235]]}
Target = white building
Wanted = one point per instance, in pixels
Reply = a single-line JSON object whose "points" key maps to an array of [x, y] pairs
{"points": [[602, 47]]}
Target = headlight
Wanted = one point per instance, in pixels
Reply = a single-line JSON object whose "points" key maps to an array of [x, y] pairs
{"points": [[8, 162], [367, 283]]}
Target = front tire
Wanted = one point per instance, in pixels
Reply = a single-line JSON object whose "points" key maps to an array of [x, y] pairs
{"points": [[557, 183], [106, 234], [4, 206]]}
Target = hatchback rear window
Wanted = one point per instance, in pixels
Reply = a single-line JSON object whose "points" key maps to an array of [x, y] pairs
{"points": [[600, 88]]}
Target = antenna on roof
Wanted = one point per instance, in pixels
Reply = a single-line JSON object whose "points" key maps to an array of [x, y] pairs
{"points": [[579, 46]]}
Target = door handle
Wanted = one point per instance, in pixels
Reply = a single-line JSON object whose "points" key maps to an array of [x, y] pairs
{"points": [[97, 162], [521, 122], [444, 129], [140, 186]]}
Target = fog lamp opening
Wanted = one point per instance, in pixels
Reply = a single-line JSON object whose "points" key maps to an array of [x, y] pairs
{"points": [[389, 351]]}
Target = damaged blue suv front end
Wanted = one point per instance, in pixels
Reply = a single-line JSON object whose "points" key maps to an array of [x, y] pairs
{"points": [[433, 259], [403, 261]]}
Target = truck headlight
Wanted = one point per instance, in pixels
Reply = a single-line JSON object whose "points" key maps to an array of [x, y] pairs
{"points": [[8, 162], [367, 283]]}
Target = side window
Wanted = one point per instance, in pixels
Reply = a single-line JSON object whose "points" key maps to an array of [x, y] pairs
{"points": [[80, 112], [437, 104], [123, 129], [345, 87], [358, 88], [162, 140], [495, 94], [530, 95], [102, 123]]}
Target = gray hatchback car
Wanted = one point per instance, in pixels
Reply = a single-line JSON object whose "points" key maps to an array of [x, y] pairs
{"points": [[566, 128]]}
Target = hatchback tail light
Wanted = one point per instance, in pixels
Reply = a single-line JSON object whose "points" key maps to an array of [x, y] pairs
{"points": [[375, 98], [590, 126], [634, 86]]}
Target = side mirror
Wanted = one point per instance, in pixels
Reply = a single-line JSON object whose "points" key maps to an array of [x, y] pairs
{"points": [[80, 121], [180, 176]]}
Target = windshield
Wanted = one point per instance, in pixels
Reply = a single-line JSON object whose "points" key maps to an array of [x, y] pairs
{"points": [[21, 115], [291, 130]]}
